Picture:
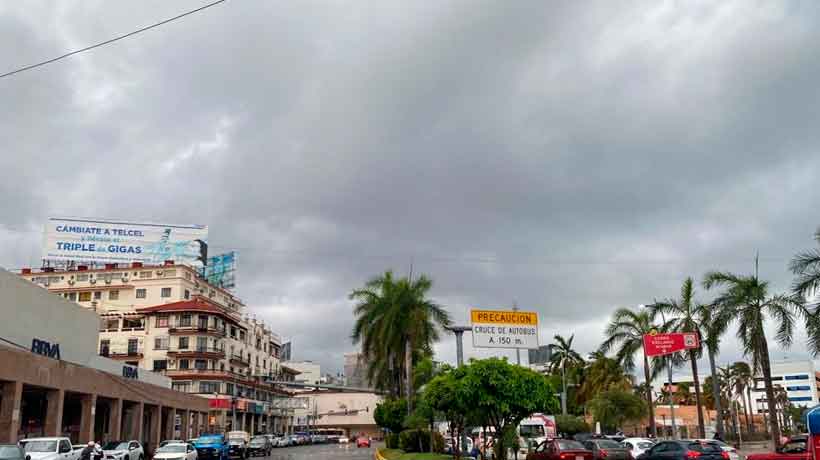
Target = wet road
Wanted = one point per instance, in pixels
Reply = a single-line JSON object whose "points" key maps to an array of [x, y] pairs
{"points": [[321, 452]]}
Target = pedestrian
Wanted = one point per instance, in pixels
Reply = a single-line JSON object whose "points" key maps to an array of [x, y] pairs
{"points": [[718, 437], [88, 451]]}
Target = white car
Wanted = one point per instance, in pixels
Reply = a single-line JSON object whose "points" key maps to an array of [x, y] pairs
{"points": [[343, 440], [637, 446], [50, 449], [123, 450], [176, 451]]}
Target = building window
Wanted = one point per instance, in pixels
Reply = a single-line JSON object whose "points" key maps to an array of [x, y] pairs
{"points": [[185, 320], [184, 387], [110, 324], [258, 343], [161, 321], [85, 296], [799, 388], [183, 343], [141, 293], [201, 364], [183, 364], [187, 275], [800, 398], [165, 293], [233, 332], [187, 294], [97, 295], [133, 346], [72, 296], [242, 336], [161, 343], [201, 344], [105, 347], [132, 323], [202, 321], [209, 387], [229, 388], [797, 377], [145, 274], [114, 295], [160, 365]]}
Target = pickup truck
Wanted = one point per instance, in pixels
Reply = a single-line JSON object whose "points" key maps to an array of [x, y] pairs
{"points": [[50, 449], [211, 447]]}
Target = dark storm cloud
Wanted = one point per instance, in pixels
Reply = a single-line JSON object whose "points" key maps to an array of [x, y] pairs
{"points": [[571, 158]]}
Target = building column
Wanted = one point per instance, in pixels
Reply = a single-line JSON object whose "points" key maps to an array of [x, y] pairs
{"points": [[170, 423], [195, 425], [253, 425], [156, 429], [88, 411], [136, 421], [54, 412], [185, 417], [115, 420], [10, 411]]}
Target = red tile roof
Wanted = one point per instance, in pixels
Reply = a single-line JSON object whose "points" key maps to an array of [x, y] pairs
{"points": [[198, 305]]}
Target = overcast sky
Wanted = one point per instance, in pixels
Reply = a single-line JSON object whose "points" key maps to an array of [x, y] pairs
{"points": [[572, 157]]}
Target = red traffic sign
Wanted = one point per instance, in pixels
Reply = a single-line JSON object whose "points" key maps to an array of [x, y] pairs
{"points": [[663, 344]]}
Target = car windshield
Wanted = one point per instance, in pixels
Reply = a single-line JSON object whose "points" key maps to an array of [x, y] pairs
{"points": [[40, 446], [209, 439], [258, 440], [173, 449], [608, 444], [10, 452], [531, 431], [794, 447], [645, 445], [566, 444], [115, 445]]}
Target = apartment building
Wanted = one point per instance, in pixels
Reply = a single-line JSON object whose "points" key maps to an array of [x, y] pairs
{"points": [[167, 319], [799, 379]]}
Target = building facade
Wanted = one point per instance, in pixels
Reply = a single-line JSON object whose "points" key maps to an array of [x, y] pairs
{"points": [[350, 412], [798, 379], [355, 368], [169, 320], [309, 372]]}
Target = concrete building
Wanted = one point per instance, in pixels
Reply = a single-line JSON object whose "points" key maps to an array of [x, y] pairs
{"points": [[799, 379], [356, 371], [53, 382], [309, 372], [350, 412], [169, 320]]}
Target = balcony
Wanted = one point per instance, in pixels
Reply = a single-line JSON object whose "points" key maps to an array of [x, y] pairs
{"points": [[187, 329], [240, 360], [205, 374], [197, 352], [123, 354]]}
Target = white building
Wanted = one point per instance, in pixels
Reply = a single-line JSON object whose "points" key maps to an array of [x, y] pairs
{"points": [[309, 372], [798, 378]]}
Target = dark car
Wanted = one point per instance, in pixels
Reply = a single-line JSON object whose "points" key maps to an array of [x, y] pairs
{"points": [[684, 450], [211, 446], [11, 452], [560, 449], [607, 449], [259, 445]]}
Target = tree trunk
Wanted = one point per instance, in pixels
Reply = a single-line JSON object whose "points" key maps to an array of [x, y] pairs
{"points": [[652, 428], [749, 397], [716, 396], [698, 404], [408, 364], [746, 409], [766, 366]]}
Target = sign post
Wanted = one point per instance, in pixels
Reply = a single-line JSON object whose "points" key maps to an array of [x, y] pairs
{"points": [[656, 344], [504, 329]]}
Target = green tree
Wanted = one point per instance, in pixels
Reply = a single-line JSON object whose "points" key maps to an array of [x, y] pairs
{"points": [[569, 425], [600, 374], [446, 395], [626, 331], [564, 357], [396, 325], [504, 394], [805, 266], [391, 414], [614, 407], [713, 326], [746, 299], [684, 315], [743, 383]]}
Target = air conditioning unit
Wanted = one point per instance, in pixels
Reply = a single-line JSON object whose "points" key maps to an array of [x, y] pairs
{"points": [[160, 272], [71, 282], [124, 279], [92, 281], [108, 281]]}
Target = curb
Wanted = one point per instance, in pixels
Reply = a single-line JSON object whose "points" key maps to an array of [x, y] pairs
{"points": [[378, 455]]}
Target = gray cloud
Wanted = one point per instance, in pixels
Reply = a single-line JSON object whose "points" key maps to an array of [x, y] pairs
{"points": [[571, 157]]}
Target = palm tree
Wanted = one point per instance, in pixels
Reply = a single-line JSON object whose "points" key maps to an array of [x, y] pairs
{"points": [[396, 324], [564, 356], [727, 383], [713, 326], [684, 317], [806, 266], [626, 331], [601, 373], [746, 299], [744, 381]]}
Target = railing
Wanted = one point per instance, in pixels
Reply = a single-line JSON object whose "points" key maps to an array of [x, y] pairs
{"points": [[114, 354], [192, 328], [212, 351], [240, 360]]}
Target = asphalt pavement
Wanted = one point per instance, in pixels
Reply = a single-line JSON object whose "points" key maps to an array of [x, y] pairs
{"points": [[321, 452]]}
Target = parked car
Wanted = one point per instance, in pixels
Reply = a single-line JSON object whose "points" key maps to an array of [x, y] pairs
{"points": [[176, 451], [11, 452], [637, 446], [560, 449], [50, 449], [283, 441], [211, 446], [343, 440], [259, 445], [123, 450], [172, 441], [684, 450], [238, 444], [795, 449], [362, 441], [733, 455], [607, 449]]}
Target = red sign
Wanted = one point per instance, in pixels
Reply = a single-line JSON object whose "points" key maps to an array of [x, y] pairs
{"points": [[219, 403], [664, 344]]}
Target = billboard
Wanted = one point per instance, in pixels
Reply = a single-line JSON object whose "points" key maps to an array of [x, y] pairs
{"points": [[504, 329], [112, 241], [221, 270], [663, 344]]}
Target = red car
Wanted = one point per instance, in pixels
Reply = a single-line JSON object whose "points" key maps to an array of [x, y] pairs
{"points": [[560, 449], [362, 441], [795, 449]]}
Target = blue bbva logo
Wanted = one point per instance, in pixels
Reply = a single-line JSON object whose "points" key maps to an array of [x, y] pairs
{"points": [[41, 347]]}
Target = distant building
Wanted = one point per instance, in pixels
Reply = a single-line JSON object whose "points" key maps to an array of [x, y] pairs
{"points": [[309, 372], [798, 378], [356, 371], [334, 412]]}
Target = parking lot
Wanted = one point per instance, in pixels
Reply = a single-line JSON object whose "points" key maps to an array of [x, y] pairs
{"points": [[322, 451]]}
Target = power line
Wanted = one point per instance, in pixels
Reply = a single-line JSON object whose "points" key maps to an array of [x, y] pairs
{"points": [[112, 40]]}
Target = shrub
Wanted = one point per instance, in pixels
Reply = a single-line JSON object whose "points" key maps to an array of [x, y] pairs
{"points": [[391, 440], [419, 441], [569, 425]]}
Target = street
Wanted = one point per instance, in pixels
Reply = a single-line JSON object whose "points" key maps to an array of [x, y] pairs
{"points": [[322, 451]]}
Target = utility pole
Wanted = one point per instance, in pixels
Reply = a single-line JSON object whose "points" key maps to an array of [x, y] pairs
{"points": [[459, 332]]}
